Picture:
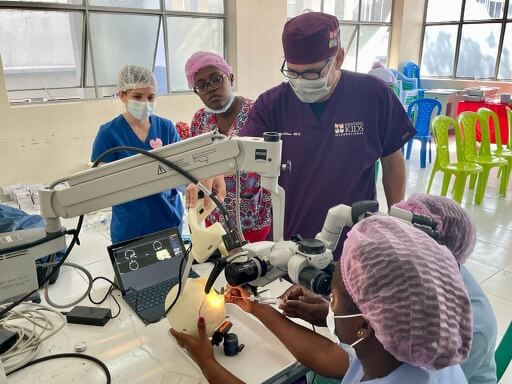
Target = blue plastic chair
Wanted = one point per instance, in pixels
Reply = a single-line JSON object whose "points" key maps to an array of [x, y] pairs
{"points": [[412, 70], [420, 111]]}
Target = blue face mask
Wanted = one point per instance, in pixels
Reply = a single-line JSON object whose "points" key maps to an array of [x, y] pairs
{"points": [[224, 108]]}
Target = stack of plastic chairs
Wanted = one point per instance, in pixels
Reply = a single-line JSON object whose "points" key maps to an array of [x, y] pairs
{"points": [[412, 70], [486, 114], [460, 168], [409, 88], [483, 156], [420, 112]]}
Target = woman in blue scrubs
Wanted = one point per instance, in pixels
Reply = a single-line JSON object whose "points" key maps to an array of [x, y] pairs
{"points": [[139, 127]]}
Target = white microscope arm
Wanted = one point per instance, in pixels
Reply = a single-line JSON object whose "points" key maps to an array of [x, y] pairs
{"points": [[204, 156]]}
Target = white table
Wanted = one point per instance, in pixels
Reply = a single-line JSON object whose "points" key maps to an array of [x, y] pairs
{"points": [[135, 353]]}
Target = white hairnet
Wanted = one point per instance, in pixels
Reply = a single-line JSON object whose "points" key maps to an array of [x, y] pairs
{"points": [[135, 76]]}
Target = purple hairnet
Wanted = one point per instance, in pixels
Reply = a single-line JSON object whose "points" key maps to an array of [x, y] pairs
{"points": [[456, 229], [408, 287]]}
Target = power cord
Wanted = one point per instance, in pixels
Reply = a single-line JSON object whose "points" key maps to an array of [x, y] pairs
{"points": [[109, 293], [174, 167], [68, 355], [33, 326]]}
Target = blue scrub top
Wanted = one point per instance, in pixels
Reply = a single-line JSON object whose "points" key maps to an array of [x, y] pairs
{"points": [[148, 214], [406, 373], [480, 367]]}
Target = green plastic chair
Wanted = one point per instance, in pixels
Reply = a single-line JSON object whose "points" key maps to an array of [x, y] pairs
{"points": [[460, 169], [503, 353], [484, 158], [509, 119], [486, 114]]}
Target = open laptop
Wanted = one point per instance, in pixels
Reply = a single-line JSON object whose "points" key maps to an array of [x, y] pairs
{"points": [[146, 268]]}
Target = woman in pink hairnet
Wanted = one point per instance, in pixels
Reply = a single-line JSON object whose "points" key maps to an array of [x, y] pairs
{"points": [[397, 300], [212, 80], [457, 232]]}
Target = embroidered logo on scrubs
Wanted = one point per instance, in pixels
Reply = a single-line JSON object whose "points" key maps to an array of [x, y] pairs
{"points": [[155, 143], [349, 129]]}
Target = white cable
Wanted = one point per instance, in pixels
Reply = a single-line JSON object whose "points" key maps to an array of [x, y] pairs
{"points": [[237, 206], [74, 302], [33, 327]]}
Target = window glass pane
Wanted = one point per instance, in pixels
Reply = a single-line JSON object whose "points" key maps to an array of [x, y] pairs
{"points": [[41, 49], [205, 6], [439, 50], [376, 10], [160, 65], [443, 10], [484, 9], [505, 72], [478, 50], [297, 7], [118, 40], [373, 45], [343, 9], [51, 1], [145, 4], [349, 43], [186, 36], [510, 10]]}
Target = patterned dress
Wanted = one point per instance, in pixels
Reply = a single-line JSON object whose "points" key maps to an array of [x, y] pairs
{"points": [[255, 202]]}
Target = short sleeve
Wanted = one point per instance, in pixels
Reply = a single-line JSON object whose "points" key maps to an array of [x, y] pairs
{"points": [[258, 120], [396, 129], [103, 142], [173, 133]]}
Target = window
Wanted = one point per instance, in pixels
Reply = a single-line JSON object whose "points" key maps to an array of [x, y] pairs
{"points": [[365, 27], [67, 49], [468, 39]]}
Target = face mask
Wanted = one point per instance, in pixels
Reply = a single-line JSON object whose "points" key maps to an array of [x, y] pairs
{"points": [[140, 110], [312, 91], [332, 327], [224, 108]]}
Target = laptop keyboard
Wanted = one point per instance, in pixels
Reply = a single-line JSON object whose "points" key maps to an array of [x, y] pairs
{"points": [[152, 296]]}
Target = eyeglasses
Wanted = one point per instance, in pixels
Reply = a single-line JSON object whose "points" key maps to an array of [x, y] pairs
{"points": [[202, 87], [308, 75]]}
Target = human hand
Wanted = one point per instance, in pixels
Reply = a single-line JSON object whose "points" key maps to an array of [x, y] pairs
{"points": [[302, 303], [200, 349], [240, 297]]}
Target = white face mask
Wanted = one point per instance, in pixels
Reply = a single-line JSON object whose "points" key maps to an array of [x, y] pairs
{"points": [[332, 326], [224, 108], [312, 91], [140, 110]]}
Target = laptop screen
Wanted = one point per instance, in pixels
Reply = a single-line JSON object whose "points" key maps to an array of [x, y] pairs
{"points": [[147, 260]]}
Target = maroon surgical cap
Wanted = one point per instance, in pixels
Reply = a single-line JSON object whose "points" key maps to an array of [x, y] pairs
{"points": [[311, 37]]}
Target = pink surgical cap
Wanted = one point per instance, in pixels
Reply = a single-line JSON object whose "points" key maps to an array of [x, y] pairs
{"points": [[408, 287], [456, 229], [202, 59]]}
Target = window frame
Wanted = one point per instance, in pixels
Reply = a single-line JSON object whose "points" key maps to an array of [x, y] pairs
{"points": [[504, 21], [87, 45], [358, 23]]}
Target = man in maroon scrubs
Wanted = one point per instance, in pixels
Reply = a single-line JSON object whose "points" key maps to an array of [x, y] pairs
{"points": [[335, 124]]}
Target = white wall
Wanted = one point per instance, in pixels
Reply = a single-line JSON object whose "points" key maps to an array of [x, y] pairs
{"points": [[40, 143]]}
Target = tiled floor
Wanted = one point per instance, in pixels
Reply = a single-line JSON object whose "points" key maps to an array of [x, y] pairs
{"points": [[491, 262]]}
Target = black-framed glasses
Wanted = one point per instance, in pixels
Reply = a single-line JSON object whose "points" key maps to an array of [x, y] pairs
{"points": [[202, 87], [307, 75]]}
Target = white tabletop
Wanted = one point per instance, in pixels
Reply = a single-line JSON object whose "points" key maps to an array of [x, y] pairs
{"points": [[135, 353]]}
